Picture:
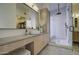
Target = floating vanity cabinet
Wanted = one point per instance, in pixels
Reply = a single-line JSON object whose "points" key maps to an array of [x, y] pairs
{"points": [[33, 43]]}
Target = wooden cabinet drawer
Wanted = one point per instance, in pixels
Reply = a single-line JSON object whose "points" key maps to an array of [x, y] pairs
{"points": [[36, 46], [46, 39], [40, 42]]}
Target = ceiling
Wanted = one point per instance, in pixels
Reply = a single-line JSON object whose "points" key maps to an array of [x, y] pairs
{"points": [[50, 6]]}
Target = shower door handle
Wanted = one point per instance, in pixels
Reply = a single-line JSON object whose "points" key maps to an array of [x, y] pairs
{"points": [[71, 28]]}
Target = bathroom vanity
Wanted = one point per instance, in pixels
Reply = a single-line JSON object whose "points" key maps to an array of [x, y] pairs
{"points": [[36, 42]]}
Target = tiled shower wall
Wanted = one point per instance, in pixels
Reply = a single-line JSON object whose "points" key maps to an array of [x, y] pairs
{"points": [[58, 32]]}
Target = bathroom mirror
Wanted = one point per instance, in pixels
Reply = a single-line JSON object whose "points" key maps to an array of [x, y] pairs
{"points": [[26, 16], [21, 15], [17, 16], [32, 21], [7, 15], [43, 16]]}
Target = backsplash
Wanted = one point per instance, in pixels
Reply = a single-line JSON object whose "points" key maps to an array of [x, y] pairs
{"points": [[8, 33]]}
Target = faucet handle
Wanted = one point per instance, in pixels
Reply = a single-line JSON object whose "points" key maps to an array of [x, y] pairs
{"points": [[26, 30]]}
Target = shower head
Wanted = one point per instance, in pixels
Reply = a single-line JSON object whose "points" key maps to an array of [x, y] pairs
{"points": [[58, 12]]}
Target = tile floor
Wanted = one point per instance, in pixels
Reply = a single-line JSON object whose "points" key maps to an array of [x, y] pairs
{"points": [[53, 50]]}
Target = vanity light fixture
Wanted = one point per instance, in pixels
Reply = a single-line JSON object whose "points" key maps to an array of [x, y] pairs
{"points": [[33, 6]]}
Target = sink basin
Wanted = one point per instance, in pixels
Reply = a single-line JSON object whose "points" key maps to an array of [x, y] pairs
{"points": [[33, 32]]}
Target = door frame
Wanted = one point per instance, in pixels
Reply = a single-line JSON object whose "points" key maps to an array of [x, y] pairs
{"points": [[72, 25]]}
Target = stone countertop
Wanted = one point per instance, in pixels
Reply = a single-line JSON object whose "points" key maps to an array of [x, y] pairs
{"points": [[7, 40]]}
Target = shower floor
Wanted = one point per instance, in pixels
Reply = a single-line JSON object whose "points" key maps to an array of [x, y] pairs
{"points": [[58, 41]]}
